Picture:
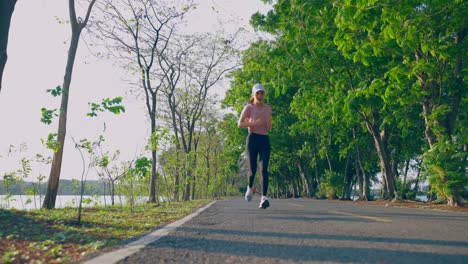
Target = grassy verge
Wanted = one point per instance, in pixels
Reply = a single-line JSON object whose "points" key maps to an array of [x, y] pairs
{"points": [[54, 236]]}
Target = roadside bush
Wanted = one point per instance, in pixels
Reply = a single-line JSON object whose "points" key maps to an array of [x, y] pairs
{"points": [[445, 168]]}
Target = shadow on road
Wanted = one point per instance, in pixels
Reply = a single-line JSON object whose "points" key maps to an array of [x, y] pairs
{"points": [[327, 237], [306, 253]]}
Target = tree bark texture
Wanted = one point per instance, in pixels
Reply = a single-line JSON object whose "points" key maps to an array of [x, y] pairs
{"points": [[76, 26], [6, 12], [53, 185], [305, 182], [384, 158]]}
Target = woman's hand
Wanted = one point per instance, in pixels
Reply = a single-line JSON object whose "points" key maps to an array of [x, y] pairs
{"points": [[255, 122]]}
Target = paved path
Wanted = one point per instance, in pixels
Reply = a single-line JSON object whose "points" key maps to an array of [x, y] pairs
{"points": [[312, 231]]}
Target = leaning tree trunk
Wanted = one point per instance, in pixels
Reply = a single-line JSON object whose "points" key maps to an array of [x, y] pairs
{"points": [[305, 182], [53, 184], [77, 27], [6, 11], [384, 158]]}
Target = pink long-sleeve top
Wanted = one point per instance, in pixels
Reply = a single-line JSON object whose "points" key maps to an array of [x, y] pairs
{"points": [[262, 114]]}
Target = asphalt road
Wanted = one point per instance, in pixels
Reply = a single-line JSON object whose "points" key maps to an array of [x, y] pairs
{"points": [[312, 231]]}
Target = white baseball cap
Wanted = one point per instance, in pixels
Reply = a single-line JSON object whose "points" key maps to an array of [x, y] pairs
{"points": [[257, 87]]}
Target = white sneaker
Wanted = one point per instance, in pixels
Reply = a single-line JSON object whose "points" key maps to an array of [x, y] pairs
{"points": [[264, 203], [248, 194]]}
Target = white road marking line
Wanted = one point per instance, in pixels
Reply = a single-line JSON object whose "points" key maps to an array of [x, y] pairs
{"points": [[135, 246], [378, 219], [299, 205]]}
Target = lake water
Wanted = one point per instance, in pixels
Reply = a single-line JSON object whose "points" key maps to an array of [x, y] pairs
{"points": [[27, 202]]}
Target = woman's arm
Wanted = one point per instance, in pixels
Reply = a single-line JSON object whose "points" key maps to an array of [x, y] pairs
{"points": [[269, 120], [243, 123], [243, 119]]}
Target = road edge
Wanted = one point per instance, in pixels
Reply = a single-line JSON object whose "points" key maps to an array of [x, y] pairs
{"points": [[135, 246]]}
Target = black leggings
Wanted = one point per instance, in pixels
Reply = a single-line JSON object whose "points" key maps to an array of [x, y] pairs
{"points": [[258, 145]]}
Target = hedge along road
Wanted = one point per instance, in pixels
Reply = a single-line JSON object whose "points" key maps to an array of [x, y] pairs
{"points": [[309, 231]]}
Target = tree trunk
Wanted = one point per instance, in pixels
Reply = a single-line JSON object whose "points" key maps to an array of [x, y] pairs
{"points": [[152, 195], [316, 170], [416, 184], [194, 176], [360, 179], [6, 11], [454, 200], [305, 182], [208, 174], [405, 176], [192, 196], [53, 184], [384, 158], [76, 26], [451, 118], [364, 184], [176, 174], [187, 189], [176, 185], [294, 185], [153, 180], [112, 190], [330, 167], [347, 181], [104, 189], [459, 83]]}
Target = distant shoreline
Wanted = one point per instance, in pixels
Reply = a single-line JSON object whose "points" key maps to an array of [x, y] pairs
{"points": [[66, 187]]}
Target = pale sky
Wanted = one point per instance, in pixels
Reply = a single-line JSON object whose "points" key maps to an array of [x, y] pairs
{"points": [[37, 52]]}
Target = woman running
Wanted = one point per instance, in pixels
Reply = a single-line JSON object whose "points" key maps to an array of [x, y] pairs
{"points": [[256, 117]]}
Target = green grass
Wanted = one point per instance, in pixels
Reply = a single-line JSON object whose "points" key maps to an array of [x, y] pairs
{"points": [[55, 236]]}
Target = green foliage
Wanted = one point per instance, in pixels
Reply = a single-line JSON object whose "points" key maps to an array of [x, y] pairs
{"points": [[404, 190], [11, 255], [143, 167], [331, 185], [25, 169], [9, 179], [103, 161], [48, 115], [446, 165], [55, 92], [86, 145], [112, 105], [340, 74], [55, 237], [51, 142], [160, 135]]}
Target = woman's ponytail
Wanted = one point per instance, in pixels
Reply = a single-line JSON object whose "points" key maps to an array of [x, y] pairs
{"points": [[252, 99]]}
